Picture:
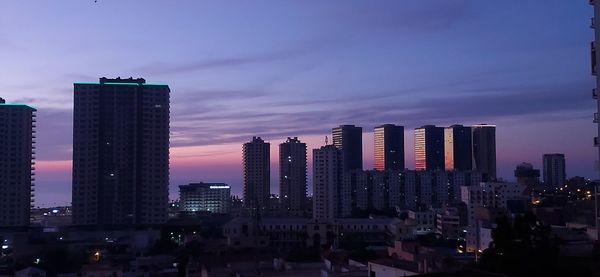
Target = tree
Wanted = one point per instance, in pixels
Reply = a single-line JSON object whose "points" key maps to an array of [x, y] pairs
{"points": [[521, 248]]}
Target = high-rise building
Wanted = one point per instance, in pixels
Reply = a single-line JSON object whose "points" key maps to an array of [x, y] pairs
{"points": [[429, 148], [488, 195], [205, 197], [554, 170], [348, 138], [327, 178], [292, 176], [17, 139], [595, 60], [120, 152], [389, 147], [484, 150], [458, 148], [257, 182]]}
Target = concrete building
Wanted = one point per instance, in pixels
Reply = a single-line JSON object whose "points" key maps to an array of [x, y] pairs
{"points": [[595, 60], [287, 233], [406, 189], [485, 202], [484, 150], [424, 219], [389, 147], [458, 148], [526, 175], [327, 178], [429, 148], [554, 170], [120, 152], [196, 198], [257, 182], [451, 221], [348, 138], [292, 176], [17, 171]]}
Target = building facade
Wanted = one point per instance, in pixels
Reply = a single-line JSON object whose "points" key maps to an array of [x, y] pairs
{"points": [[348, 138], [292, 176], [484, 203], [389, 147], [198, 198], [429, 148], [120, 152], [257, 173], [458, 148], [595, 60], [17, 144], [484, 150], [327, 178], [554, 170]]}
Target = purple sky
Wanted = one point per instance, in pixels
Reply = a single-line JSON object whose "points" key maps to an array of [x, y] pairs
{"points": [[282, 68]]}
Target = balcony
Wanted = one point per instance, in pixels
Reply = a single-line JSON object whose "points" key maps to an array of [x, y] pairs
{"points": [[593, 23], [594, 94]]}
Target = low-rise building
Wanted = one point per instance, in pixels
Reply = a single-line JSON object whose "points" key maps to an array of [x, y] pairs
{"points": [[205, 198], [392, 268]]}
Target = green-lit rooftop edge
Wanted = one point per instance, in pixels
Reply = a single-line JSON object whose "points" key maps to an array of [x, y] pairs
{"points": [[17, 104], [120, 84]]}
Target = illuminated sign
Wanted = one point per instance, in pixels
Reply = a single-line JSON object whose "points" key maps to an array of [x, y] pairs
{"points": [[219, 187]]}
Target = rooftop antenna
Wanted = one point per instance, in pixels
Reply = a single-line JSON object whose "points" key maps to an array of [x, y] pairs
{"points": [[326, 140]]}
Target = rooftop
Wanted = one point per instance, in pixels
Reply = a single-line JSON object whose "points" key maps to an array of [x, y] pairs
{"points": [[17, 104], [123, 82]]}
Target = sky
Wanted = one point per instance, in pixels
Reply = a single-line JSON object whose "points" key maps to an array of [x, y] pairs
{"points": [[280, 69]]}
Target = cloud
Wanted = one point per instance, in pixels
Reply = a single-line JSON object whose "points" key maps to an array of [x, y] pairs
{"points": [[318, 116]]}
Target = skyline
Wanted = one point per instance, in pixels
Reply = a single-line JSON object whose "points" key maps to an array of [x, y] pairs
{"points": [[365, 57]]}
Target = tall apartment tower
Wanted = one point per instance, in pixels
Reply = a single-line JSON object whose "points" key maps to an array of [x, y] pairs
{"points": [[429, 148], [595, 60], [292, 175], [389, 147], [348, 138], [554, 170], [120, 152], [484, 150], [257, 182], [327, 178], [458, 148], [17, 139]]}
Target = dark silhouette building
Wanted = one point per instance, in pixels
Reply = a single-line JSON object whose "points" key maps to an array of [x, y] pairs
{"points": [[292, 176], [554, 170], [484, 150], [120, 152], [389, 147], [328, 195], [257, 183], [17, 139], [348, 138], [429, 148], [526, 175]]}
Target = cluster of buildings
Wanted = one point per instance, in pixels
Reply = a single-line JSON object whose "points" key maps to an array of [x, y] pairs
{"points": [[446, 158], [121, 179]]}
